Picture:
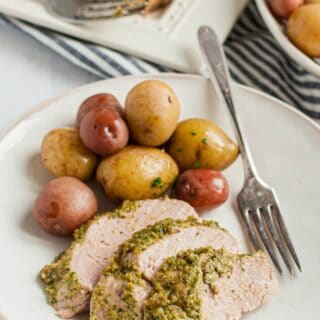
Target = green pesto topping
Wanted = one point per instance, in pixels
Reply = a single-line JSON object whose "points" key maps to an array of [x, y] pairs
{"points": [[130, 277], [194, 132], [143, 239], [127, 311], [124, 210], [177, 285], [204, 140], [58, 274], [176, 290], [127, 271]]}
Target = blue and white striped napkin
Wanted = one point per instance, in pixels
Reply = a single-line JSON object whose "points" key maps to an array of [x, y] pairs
{"points": [[254, 57]]}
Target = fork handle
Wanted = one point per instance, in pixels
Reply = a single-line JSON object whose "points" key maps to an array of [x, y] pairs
{"points": [[218, 73]]}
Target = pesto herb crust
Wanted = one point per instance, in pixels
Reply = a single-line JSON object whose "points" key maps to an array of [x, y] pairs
{"points": [[58, 274], [177, 285], [127, 272], [143, 239]]}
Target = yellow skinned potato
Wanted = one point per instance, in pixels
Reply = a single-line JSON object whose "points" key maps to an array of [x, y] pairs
{"points": [[312, 1], [303, 29], [199, 143], [64, 154], [152, 112], [137, 173]]}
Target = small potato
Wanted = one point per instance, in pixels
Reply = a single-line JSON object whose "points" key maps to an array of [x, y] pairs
{"points": [[152, 111], [63, 205], [283, 8], [105, 100], [303, 29], [103, 131], [137, 173], [199, 143], [202, 188], [64, 154], [311, 1]]}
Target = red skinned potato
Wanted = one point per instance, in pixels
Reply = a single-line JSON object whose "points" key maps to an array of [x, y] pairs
{"points": [[63, 205], [98, 100], [284, 8], [103, 131], [202, 188]]}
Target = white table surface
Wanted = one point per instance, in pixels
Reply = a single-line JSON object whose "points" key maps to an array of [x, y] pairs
{"points": [[30, 74]]}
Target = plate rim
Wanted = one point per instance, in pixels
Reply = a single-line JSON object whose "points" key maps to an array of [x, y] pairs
{"points": [[294, 52], [46, 103]]}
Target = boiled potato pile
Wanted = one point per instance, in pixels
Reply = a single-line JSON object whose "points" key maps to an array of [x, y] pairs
{"points": [[303, 25], [135, 153]]}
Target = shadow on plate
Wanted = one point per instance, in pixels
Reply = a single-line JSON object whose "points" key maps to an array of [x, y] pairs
{"points": [[37, 172], [29, 226], [103, 203]]}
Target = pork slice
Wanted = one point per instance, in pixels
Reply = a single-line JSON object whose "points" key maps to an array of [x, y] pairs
{"points": [[141, 256], [115, 291], [71, 278], [149, 260], [251, 283], [207, 284]]}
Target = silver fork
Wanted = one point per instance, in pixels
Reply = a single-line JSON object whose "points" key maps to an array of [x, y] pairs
{"points": [[257, 202], [84, 10]]}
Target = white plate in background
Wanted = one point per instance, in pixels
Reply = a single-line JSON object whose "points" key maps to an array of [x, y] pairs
{"points": [[167, 37], [277, 31], [285, 146]]}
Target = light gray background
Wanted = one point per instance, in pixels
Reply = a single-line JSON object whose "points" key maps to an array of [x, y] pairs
{"points": [[30, 74]]}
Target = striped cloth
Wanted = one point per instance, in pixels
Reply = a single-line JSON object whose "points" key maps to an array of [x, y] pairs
{"points": [[255, 59]]}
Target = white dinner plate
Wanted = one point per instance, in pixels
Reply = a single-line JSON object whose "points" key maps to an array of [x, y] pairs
{"points": [[277, 31], [285, 146], [171, 34]]}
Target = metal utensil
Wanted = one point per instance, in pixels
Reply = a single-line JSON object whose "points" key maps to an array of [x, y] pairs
{"points": [[84, 10], [258, 203]]}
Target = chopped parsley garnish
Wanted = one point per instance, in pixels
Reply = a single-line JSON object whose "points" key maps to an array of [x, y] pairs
{"points": [[179, 149], [193, 132], [157, 183], [197, 165], [204, 141]]}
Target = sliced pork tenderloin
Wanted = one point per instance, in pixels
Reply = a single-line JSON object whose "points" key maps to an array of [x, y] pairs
{"points": [[207, 284], [70, 279], [140, 257]]}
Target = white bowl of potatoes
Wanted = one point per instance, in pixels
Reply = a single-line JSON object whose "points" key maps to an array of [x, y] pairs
{"points": [[295, 24]]}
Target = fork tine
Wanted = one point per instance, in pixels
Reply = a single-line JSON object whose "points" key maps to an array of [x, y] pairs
{"points": [[267, 215], [250, 231], [280, 221], [256, 217]]}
